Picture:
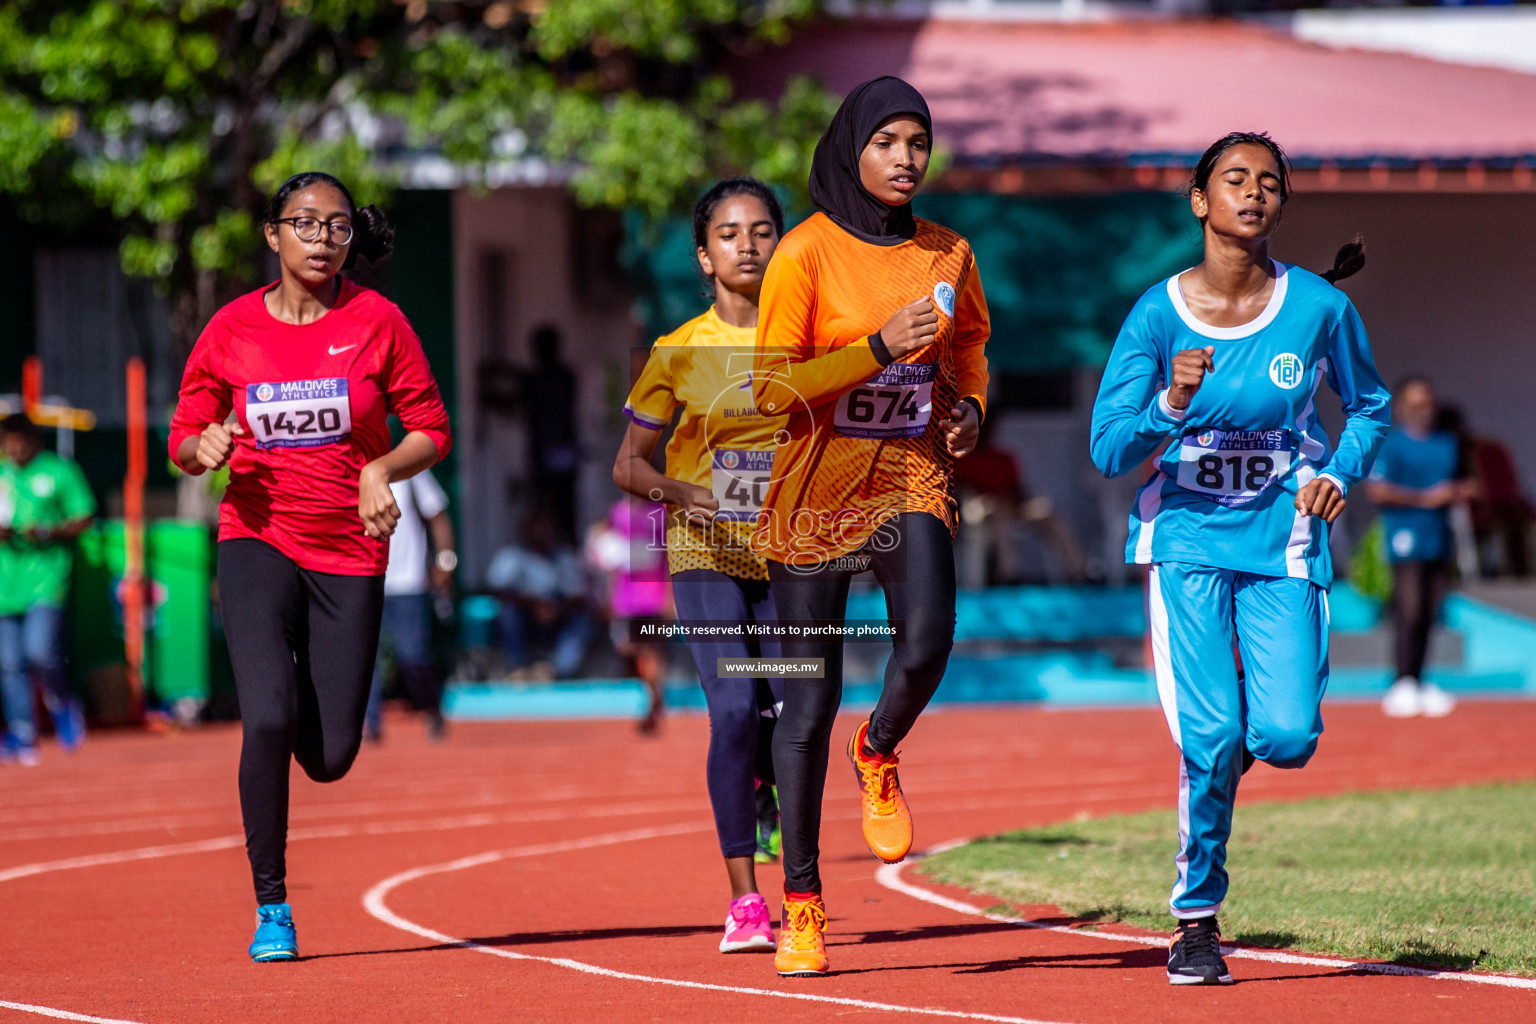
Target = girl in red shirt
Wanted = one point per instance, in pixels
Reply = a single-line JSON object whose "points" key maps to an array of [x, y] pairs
{"points": [[310, 366]]}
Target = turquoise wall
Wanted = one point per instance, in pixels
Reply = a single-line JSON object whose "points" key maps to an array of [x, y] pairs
{"points": [[1060, 272]]}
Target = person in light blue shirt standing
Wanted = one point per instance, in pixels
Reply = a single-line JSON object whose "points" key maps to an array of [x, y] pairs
{"points": [[1221, 364], [1415, 483]]}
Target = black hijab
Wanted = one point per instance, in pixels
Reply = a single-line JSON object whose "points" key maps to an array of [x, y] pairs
{"points": [[835, 184]]}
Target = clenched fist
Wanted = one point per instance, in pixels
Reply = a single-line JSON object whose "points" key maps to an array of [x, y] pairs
{"points": [[910, 328], [216, 444], [1320, 497], [1189, 369], [961, 430], [376, 505]]}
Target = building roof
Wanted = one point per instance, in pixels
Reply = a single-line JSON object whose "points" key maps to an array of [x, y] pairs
{"points": [[1130, 90]]}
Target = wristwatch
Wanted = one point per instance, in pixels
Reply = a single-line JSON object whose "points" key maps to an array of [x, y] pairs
{"points": [[447, 560]]}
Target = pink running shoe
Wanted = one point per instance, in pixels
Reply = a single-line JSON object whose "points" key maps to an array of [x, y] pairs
{"points": [[747, 927]]}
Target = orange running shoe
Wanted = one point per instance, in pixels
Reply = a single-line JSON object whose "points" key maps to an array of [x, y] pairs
{"points": [[887, 821], [802, 937]]}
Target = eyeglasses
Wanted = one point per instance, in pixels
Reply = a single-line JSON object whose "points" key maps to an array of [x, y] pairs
{"points": [[307, 229]]}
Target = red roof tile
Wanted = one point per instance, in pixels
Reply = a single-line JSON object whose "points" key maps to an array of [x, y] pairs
{"points": [[1111, 91]]}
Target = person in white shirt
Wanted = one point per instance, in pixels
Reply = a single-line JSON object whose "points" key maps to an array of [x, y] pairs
{"points": [[543, 590], [410, 582]]}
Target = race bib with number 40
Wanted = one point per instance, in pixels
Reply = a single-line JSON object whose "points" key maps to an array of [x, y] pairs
{"points": [[299, 413], [1233, 466], [896, 402], [739, 478]]}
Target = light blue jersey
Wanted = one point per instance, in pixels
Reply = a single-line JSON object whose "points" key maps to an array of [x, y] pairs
{"points": [[1417, 463], [1223, 491]]}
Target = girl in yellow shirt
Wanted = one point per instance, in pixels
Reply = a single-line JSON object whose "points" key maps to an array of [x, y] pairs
{"points": [[719, 462]]}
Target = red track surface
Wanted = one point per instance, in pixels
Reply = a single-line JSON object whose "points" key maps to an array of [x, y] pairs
{"points": [[611, 862]]}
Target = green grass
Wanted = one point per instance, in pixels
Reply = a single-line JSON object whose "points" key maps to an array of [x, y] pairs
{"points": [[1444, 879]]}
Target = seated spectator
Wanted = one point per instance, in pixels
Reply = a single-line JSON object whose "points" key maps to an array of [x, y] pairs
{"points": [[1449, 419], [1501, 513], [545, 622], [993, 500]]}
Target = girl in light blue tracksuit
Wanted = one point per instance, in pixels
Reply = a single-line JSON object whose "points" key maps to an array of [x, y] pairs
{"points": [[1222, 363]]}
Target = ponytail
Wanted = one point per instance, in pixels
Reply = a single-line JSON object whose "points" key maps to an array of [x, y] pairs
{"points": [[1350, 260], [373, 237]]}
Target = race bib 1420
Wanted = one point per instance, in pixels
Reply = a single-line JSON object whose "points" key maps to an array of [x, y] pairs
{"points": [[298, 413], [896, 402], [1233, 466]]}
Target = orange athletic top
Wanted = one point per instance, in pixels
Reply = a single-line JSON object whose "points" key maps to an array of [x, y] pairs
{"points": [[863, 442]]}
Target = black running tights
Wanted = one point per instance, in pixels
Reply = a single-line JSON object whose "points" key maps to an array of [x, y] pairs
{"points": [[915, 566], [302, 644], [1418, 590]]}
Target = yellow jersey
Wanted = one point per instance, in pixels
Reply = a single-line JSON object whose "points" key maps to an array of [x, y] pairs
{"points": [[721, 443]]}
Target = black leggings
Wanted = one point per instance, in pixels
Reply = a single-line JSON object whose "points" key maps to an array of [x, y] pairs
{"points": [[302, 645], [915, 566], [742, 712], [1418, 590]]}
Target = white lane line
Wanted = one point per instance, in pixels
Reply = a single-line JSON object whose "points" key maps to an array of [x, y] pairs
{"points": [[121, 857], [520, 810], [889, 876], [371, 828], [483, 817], [381, 828], [48, 1011], [374, 903]]}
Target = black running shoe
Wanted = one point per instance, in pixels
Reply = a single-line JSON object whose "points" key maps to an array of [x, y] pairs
{"points": [[1194, 956]]}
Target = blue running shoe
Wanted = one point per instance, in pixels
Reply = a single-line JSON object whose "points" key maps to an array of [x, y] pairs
{"points": [[69, 727], [276, 938]]}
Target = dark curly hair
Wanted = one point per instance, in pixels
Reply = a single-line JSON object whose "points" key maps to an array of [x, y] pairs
{"points": [[372, 236], [1350, 258]]}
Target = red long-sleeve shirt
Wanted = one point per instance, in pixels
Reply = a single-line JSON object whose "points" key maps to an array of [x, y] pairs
{"points": [[312, 399]]}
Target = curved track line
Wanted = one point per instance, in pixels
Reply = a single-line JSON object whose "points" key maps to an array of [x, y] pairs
{"points": [[889, 876], [48, 1011], [373, 902]]}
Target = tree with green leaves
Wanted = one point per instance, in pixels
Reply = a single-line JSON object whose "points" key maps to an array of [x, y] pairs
{"points": [[174, 118]]}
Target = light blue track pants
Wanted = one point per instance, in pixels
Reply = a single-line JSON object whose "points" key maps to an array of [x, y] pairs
{"points": [[1274, 710]]}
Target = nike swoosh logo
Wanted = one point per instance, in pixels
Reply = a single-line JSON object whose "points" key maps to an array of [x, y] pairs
{"points": [[333, 350]]}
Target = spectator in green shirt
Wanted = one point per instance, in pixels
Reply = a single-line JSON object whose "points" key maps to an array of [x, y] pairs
{"points": [[44, 505]]}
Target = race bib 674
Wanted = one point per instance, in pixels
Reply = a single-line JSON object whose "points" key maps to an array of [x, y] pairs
{"points": [[298, 413], [896, 402]]}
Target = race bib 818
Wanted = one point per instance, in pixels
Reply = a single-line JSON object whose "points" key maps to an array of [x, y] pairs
{"points": [[299, 413], [1233, 466]]}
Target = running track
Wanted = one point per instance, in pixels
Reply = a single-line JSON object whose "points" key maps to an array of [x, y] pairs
{"points": [[568, 872]]}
